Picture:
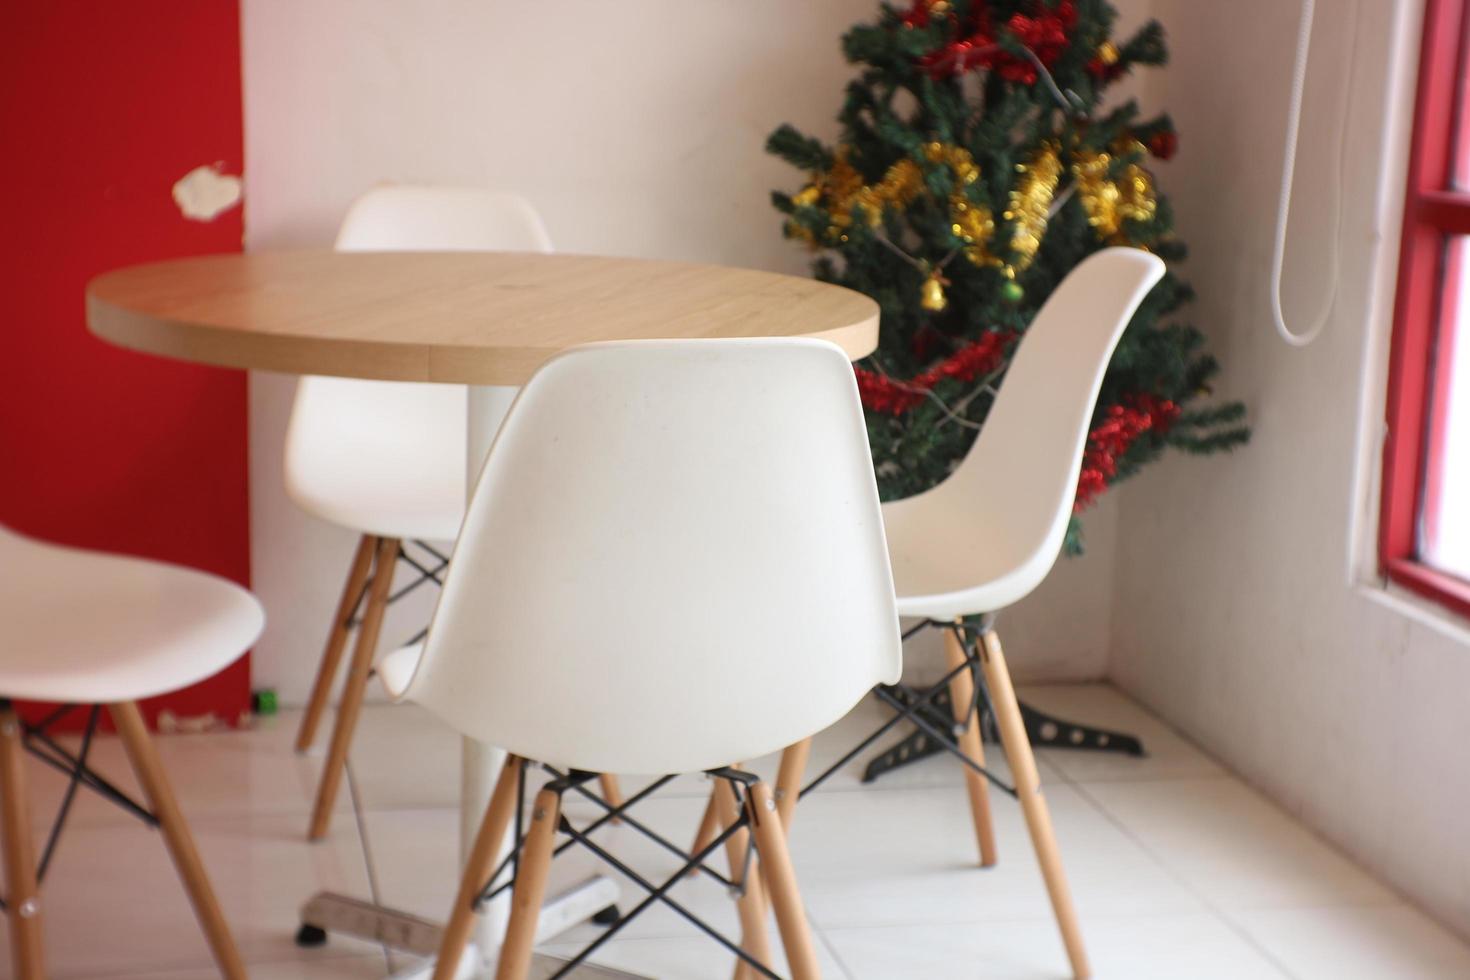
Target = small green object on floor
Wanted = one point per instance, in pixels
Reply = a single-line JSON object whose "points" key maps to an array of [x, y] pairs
{"points": [[263, 702]]}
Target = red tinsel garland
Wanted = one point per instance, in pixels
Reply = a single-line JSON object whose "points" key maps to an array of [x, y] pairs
{"points": [[1164, 144], [918, 15], [1046, 34], [881, 393], [1106, 71], [1107, 443]]}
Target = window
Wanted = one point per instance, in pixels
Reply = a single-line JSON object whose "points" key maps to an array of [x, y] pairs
{"points": [[1424, 533]]}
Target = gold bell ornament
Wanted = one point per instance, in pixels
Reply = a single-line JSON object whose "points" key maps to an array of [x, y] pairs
{"points": [[931, 293]]}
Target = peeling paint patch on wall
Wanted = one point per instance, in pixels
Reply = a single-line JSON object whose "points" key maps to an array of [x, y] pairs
{"points": [[206, 192]]}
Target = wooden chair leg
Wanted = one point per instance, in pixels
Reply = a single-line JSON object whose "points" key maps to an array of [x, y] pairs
{"points": [[27, 955], [780, 877], [709, 827], [1033, 805], [788, 789], [482, 860], [354, 688], [530, 888], [144, 759], [788, 779], [326, 672], [751, 904], [612, 793], [962, 697]]}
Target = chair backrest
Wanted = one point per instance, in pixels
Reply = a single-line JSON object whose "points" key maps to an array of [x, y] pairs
{"points": [[1023, 467], [395, 218], [674, 560], [384, 413]]}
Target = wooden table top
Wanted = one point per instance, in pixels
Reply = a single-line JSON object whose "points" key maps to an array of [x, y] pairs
{"points": [[460, 317]]}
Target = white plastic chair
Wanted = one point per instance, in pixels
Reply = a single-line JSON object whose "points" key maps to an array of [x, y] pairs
{"points": [[674, 560], [387, 459], [989, 534], [89, 628]]}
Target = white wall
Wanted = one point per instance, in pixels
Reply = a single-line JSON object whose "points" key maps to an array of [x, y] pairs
{"points": [[1238, 610], [636, 128]]}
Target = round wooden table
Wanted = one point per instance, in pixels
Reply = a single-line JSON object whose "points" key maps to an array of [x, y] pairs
{"points": [[483, 319], [476, 318]]}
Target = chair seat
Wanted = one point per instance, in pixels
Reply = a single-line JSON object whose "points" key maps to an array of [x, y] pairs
{"points": [[85, 627], [949, 563], [396, 669], [380, 458], [389, 499]]}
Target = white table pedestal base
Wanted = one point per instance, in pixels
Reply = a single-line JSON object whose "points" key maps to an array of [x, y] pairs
{"points": [[402, 931]]}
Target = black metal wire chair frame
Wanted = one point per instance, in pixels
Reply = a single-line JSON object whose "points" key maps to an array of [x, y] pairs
{"points": [[658, 892], [918, 709], [38, 742]]}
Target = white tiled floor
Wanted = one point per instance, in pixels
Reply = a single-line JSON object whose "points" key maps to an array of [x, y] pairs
{"points": [[1179, 870]]}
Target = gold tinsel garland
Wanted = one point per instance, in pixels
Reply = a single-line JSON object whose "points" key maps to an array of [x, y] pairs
{"points": [[1108, 203], [843, 190], [1030, 202]]}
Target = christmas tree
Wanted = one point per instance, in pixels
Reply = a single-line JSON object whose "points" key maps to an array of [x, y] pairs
{"points": [[978, 162]]}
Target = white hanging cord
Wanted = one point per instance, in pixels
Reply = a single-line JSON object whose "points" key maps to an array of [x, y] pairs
{"points": [[1288, 173]]}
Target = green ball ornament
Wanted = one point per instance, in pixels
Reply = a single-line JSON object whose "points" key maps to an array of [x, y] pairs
{"points": [[1012, 292]]}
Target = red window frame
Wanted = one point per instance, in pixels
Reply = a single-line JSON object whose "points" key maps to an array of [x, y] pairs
{"points": [[1433, 209]]}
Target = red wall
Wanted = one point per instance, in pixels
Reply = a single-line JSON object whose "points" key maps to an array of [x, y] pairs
{"points": [[103, 106]]}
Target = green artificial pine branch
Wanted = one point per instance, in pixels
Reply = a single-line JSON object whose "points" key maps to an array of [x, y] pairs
{"points": [[1147, 46], [798, 150]]}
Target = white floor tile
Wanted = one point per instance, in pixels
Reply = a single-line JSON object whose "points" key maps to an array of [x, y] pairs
{"points": [[885, 858], [112, 903], [1363, 943], [405, 758], [1198, 947], [1234, 847], [321, 968], [242, 772], [691, 958], [1179, 870], [1170, 755], [415, 854]]}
